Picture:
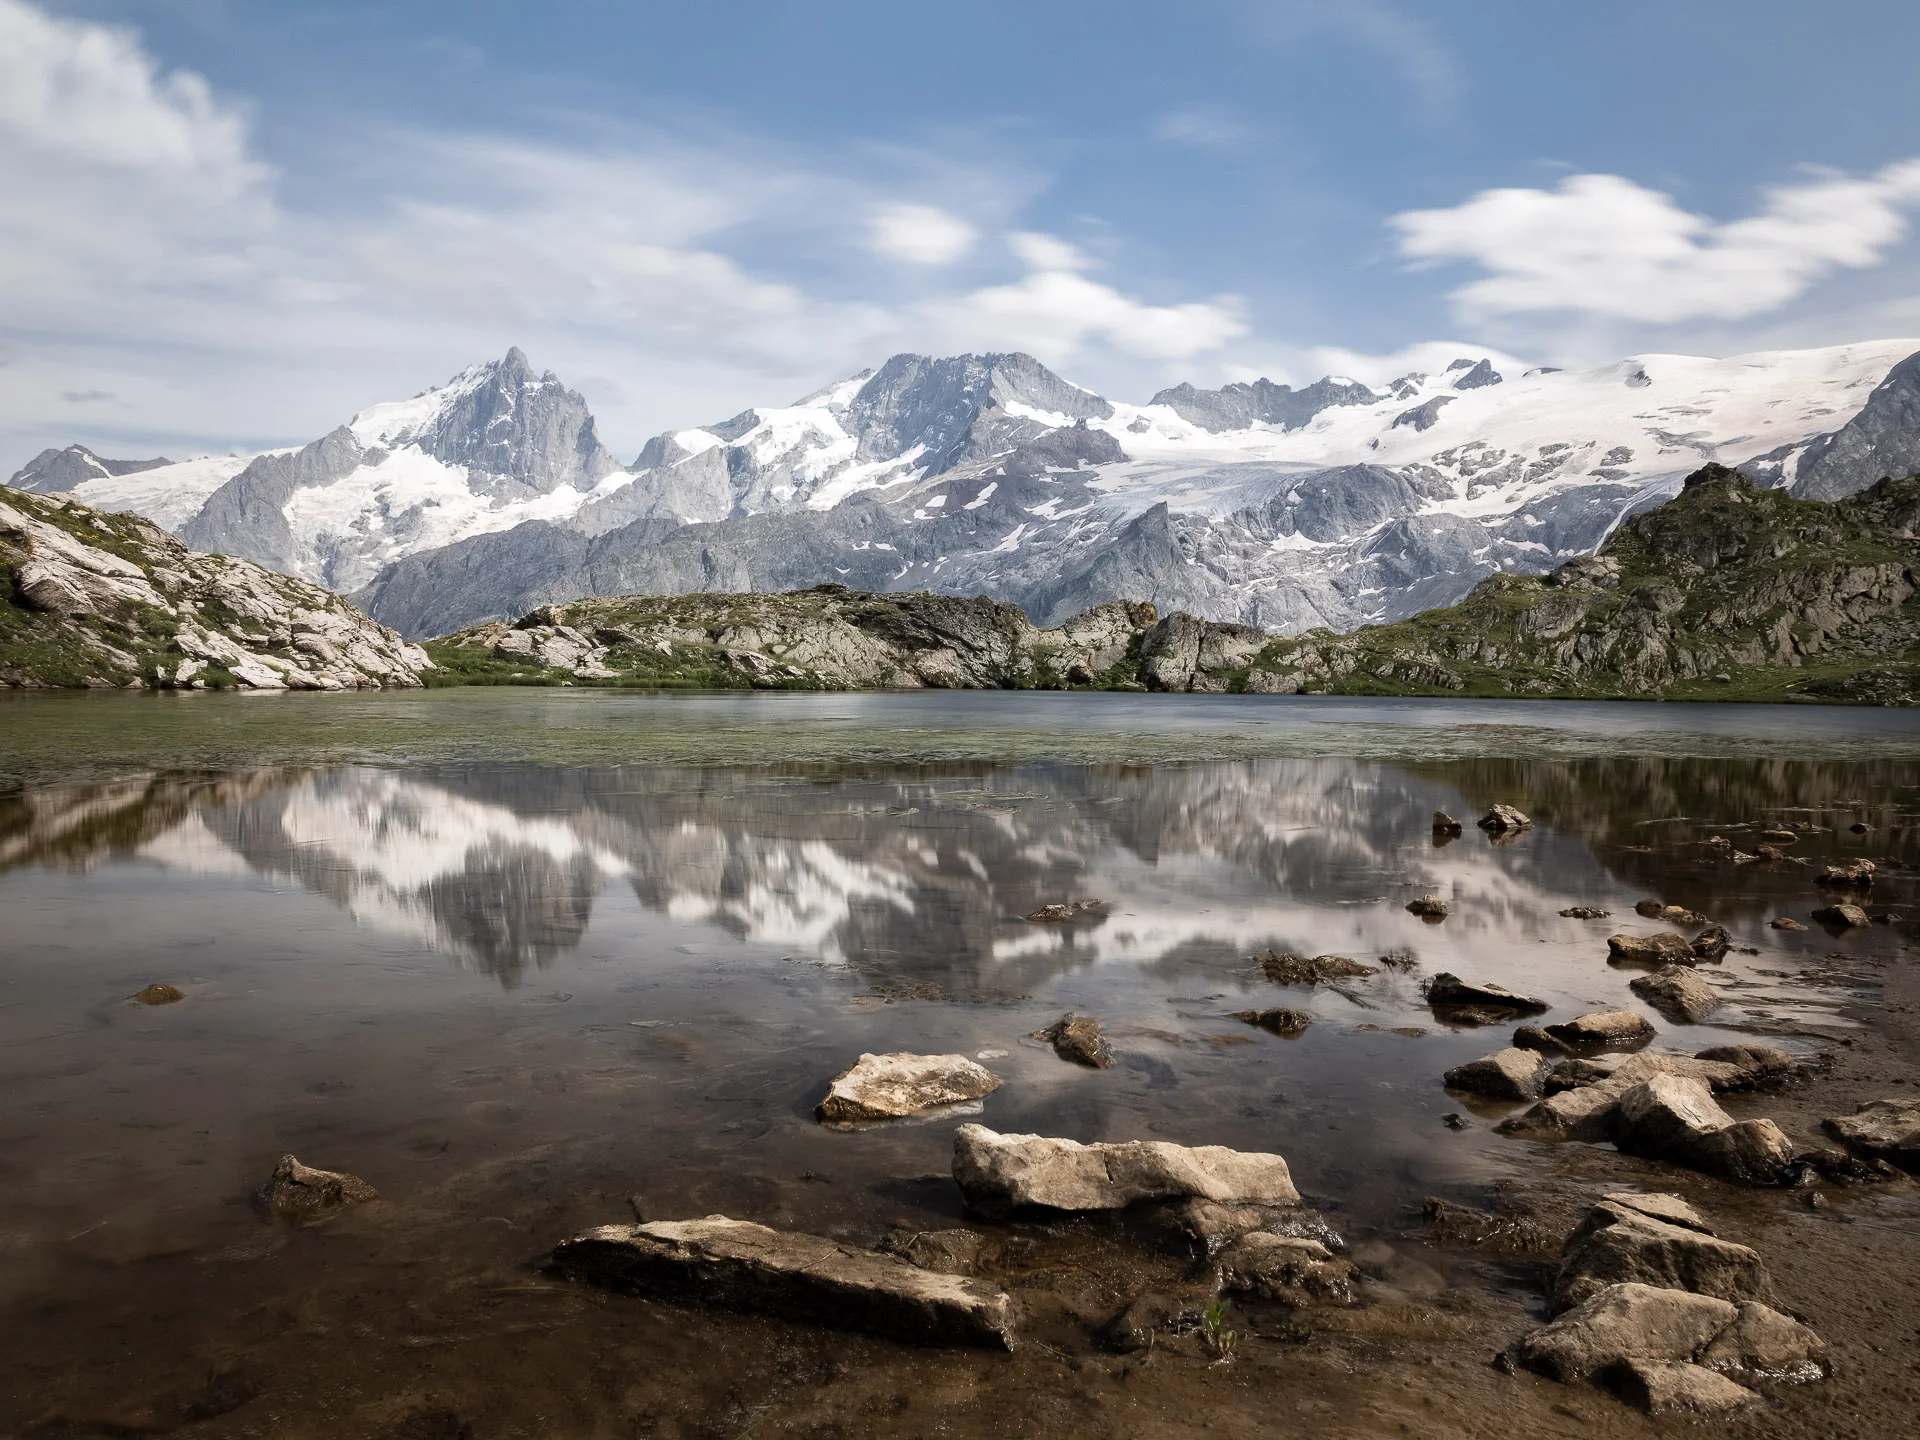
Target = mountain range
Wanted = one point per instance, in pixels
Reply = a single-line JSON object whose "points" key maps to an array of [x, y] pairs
{"points": [[1333, 506]]}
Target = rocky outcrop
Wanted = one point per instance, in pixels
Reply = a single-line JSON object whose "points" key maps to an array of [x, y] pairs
{"points": [[1886, 1130], [1000, 1174], [886, 1087], [1656, 1240], [738, 1265], [1882, 440], [55, 472], [98, 600]]}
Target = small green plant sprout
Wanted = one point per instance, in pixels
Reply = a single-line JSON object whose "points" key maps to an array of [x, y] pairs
{"points": [[1217, 1339]]}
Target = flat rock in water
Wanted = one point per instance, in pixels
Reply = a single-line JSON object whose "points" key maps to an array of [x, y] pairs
{"points": [[1785, 922], [1882, 1130], [1448, 990], [1285, 1269], [1279, 1020], [1711, 943], [1286, 969], [301, 1193], [1429, 907], [1665, 948], [884, 1087], [1584, 912], [1510, 1074], [1619, 1243], [1532, 1037], [1071, 910], [1504, 817], [1848, 917], [1603, 1030], [159, 995], [1675, 1118], [738, 1265], [1663, 1387], [1848, 875], [1589, 1091], [1631, 1322], [1002, 1173], [1585, 1114], [1078, 1038], [1678, 993]]}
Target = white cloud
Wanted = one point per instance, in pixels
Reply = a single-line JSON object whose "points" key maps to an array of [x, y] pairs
{"points": [[1202, 126], [920, 234], [1047, 252], [1428, 357], [1603, 245]]}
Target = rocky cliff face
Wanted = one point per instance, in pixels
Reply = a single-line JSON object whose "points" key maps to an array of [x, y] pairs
{"points": [[98, 600], [58, 472], [1728, 591]]}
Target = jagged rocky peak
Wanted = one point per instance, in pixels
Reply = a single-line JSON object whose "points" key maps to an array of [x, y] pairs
{"points": [[55, 472], [1475, 374], [935, 404], [1882, 440], [500, 419], [1240, 406]]}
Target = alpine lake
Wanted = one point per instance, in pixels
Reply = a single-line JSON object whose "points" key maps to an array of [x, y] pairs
{"points": [[533, 961]]}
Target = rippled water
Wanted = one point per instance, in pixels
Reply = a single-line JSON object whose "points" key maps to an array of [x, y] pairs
{"points": [[520, 991]]}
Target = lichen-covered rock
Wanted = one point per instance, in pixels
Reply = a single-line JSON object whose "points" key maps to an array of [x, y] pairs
{"points": [[1002, 1173], [885, 1087]]}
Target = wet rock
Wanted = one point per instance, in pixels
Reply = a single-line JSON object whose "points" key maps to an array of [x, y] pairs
{"points": [[1754, 1062], [1078, 1038], [1711, 943], [1071, 910], [1510, 1074], [157, 994], [1429, 907], [945, 1252], [1586, 1093], [1502, 818], [1285, 1269], [1672, 914], [1649, 909], [303, 1194], [1860, 827], [1279, 1020], [1639, 1323], [1173, 1311], [1665, 1207], [1002, 1173], [1665, 948], [1584, 1114], [1663, 1387], [1532, 1037], [738, 1265], [1584, 912], [1619, 1241], [1283, 969], [1780, 837], [1847, 875], [1445, 824], [1675, 1118], [1447, 990], [1678, 993], [1784, 922], [1845, 917], [884, 1087], [1603, 1030], [1886, 1130]]}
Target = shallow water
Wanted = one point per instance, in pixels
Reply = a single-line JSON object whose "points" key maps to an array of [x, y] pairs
{"points": [[510, 994]]}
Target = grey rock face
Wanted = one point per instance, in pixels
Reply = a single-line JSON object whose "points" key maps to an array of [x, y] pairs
{"points": [[247, 515], [955, 407], [1477, 376], [516, 426], [55, 472], [738, 1265], [1423, 416], [1883, 439], [1238, 406]]}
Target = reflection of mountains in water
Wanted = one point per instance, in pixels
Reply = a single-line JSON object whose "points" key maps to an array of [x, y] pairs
{"points": [[909, 875]]}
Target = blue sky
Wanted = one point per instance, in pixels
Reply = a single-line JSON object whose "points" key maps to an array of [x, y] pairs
{"points": [[233, 224]]}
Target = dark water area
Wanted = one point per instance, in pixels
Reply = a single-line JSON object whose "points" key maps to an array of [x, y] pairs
{"points": [[513, 992]]}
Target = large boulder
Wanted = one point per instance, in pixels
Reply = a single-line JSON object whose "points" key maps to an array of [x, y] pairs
{"points": [[999, 1174], [1882, 1130], [1678, 993], [1510, 1074], [1665, 1243], [738, 1265], [1639, 1323], [884, 1087], [1675, 1118]]}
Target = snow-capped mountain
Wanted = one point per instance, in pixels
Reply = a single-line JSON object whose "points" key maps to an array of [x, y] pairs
{"points": [[1335, 504]]}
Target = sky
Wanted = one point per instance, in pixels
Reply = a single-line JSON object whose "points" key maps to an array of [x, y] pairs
{"points": [[227, 225]]}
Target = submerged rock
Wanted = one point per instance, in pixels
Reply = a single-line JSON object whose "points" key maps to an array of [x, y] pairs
{"points": [[1145, 1317], [303, 1194], [1631, 1323], [1678, 993], [1447, 990], [738, 1265], [884, 1087], [1847, 875], [1886, 1130], [945, 1252], [1845, 917], [1665, 948], [1285, 1269], [1003, 1173], [1666, 1243], [1071, 910], [1286, 969], [159, 995], [1510, 1074], [1279, 1020], [1078, 1038], [1584, 912]]}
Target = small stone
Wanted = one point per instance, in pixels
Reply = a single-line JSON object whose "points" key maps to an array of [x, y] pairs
{"points": [[1680, 915], [1279, 1020], [1785, 922], [1585, 912], [1532, 1037], [1711, 943], [1078, 1038], [302, 1194], [1429, 907], [884, 1087], [1586, 1114], [1843, 917], [1072, 910], [1860, 828], [1454, 1120], [1504, 817], [1780, 837], [1848, 875], [1604, 1030], [1678, 993], [1445, 824], [1510, 1074], [1665, 948], [157, 994], [1650, 909]]}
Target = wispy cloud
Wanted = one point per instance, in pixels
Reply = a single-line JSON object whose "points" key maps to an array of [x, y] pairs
{"points": [[920, 234], [1400, 38]]}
